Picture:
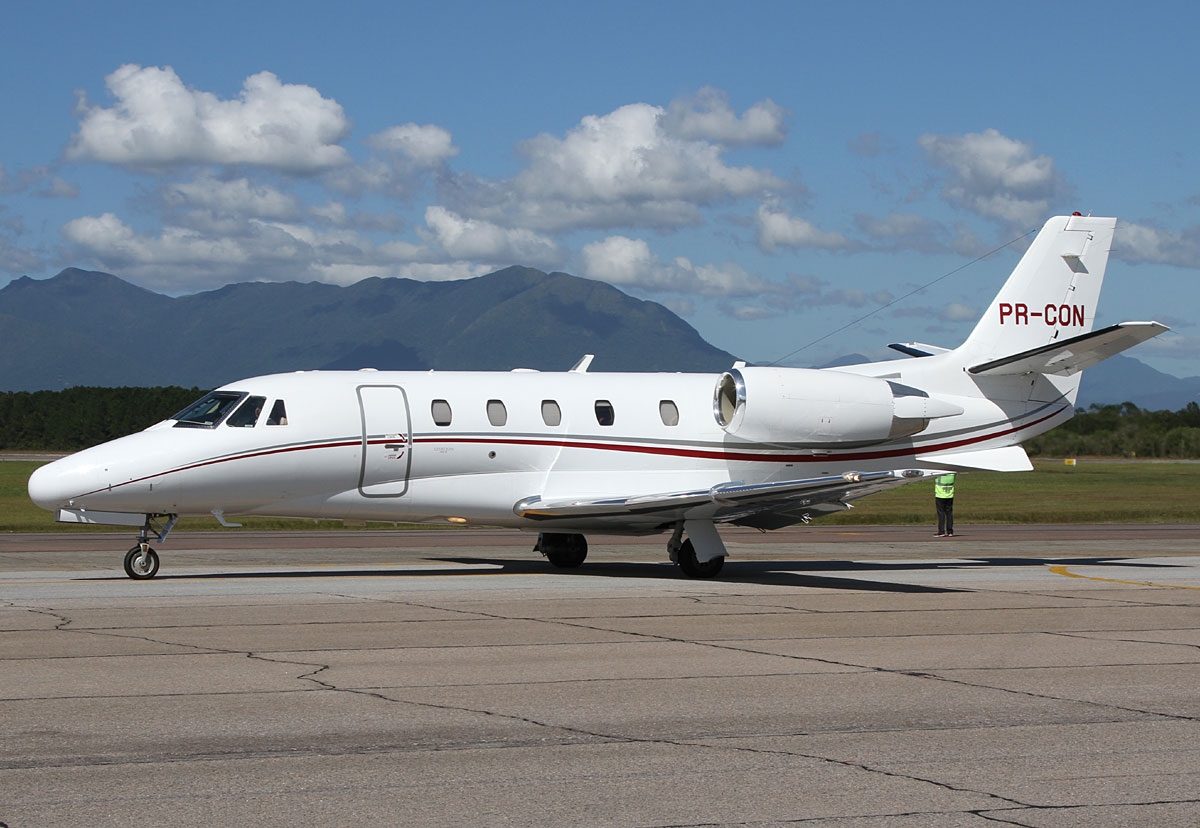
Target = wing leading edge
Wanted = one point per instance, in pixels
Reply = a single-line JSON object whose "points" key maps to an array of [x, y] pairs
{"points": [[761, 505]]}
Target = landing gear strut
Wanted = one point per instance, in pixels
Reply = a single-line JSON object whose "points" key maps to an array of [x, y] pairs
{"points": [[564, 550], [141, 562]]}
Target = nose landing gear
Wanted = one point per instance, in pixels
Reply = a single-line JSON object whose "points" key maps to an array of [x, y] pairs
{"points": [[141, 562]]}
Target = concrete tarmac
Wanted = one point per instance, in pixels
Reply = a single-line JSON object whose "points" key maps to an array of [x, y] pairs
{"points": [[858, 678]]}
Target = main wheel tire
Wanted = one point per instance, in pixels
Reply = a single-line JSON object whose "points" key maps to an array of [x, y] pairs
{"points": [[693, 568], [140, 566], [566, 551]]}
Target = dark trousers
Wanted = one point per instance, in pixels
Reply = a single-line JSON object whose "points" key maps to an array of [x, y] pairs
{"points": [[945, 513]]}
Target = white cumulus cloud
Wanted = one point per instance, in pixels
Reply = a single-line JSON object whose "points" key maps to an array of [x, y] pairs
{"points": [[619, 169], [778, 229], [619, 260], [190, 258], [473, 239], [238, 196], [157, 121], [707, 116], [1142, 243], [995, 176], [116, 244], [426, 145]]}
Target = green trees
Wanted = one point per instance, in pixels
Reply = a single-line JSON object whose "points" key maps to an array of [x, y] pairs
{"points": [[1124, 431], [82, 416]]}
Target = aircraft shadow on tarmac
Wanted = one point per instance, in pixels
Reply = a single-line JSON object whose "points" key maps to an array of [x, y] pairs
{"points": [[811, 574]]}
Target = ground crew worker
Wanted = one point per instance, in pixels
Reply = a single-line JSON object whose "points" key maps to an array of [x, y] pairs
{"points": [[943, 496]]}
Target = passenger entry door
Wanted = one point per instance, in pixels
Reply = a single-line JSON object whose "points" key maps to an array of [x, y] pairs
{"points": [[386, 441]]}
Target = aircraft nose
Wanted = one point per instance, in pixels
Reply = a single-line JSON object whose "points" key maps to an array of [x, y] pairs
{"points": [[52, 486], [68, 480], [48, 486]]}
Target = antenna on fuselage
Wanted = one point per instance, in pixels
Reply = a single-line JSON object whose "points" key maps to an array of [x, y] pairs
{"points": [[582, 366]]}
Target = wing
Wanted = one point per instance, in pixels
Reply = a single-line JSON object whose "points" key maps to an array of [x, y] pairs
{"points": [[761, 505]]}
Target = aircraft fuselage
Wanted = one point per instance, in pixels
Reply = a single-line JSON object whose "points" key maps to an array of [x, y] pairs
{"points": [[463, 447]]}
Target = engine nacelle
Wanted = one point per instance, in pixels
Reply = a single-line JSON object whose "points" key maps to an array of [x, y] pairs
{"points": [[820, 408]]}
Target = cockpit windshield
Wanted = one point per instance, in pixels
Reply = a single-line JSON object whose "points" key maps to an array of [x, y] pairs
{"points": [[209, 411]]}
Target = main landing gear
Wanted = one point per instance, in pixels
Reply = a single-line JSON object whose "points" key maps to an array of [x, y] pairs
{"points": [[562, 549], [694, 568], [701, 555], [141, 562]]}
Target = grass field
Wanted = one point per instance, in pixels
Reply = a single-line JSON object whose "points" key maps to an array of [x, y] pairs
{"points": [[1093, 491]]}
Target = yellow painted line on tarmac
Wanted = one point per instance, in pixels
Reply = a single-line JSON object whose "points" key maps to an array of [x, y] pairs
{"points": [[1062, 570]]}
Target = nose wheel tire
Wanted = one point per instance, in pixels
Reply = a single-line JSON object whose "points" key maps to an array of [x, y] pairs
{"points": [[141, 563]]}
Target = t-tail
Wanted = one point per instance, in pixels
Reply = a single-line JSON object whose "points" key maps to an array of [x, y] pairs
{"points": [[1052, 293], [1018, 373], [1042, 320]]}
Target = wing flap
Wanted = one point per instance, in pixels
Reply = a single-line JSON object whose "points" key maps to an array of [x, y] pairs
{"points": [[725, 502], [1072, 355]]}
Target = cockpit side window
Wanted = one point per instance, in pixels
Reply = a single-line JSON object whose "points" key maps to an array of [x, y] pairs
{"points": [[278, 414], [247, 414], [208, 411]]}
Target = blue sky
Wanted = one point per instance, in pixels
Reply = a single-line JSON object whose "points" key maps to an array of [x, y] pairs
{"points": [[782, 174]]}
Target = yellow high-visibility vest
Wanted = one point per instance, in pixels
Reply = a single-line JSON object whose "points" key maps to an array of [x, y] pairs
{"points": [[943, 486]]}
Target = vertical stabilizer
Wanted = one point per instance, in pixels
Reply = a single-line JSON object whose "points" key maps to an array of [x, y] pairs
{"points": [[1052, 293]]}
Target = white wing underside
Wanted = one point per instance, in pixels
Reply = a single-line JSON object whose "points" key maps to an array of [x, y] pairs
{"points": [[763, 505]]}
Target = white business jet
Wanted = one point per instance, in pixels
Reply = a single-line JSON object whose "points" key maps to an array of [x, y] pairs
{"points": [[563, 454]]}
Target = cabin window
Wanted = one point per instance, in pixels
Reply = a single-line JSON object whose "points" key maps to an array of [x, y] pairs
{"points": [[278, 415], [247, 414], [497, 413], [208, 411], [551, 413], [669, 412], [605, 415], [440, 409]]}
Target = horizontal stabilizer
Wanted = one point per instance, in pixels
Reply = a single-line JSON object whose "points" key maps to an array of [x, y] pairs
{"points": [[1070, 356], [917, 349], [1007, 459]]}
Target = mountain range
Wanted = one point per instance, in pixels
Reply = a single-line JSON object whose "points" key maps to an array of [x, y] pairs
{"points": [[92, 328]]}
